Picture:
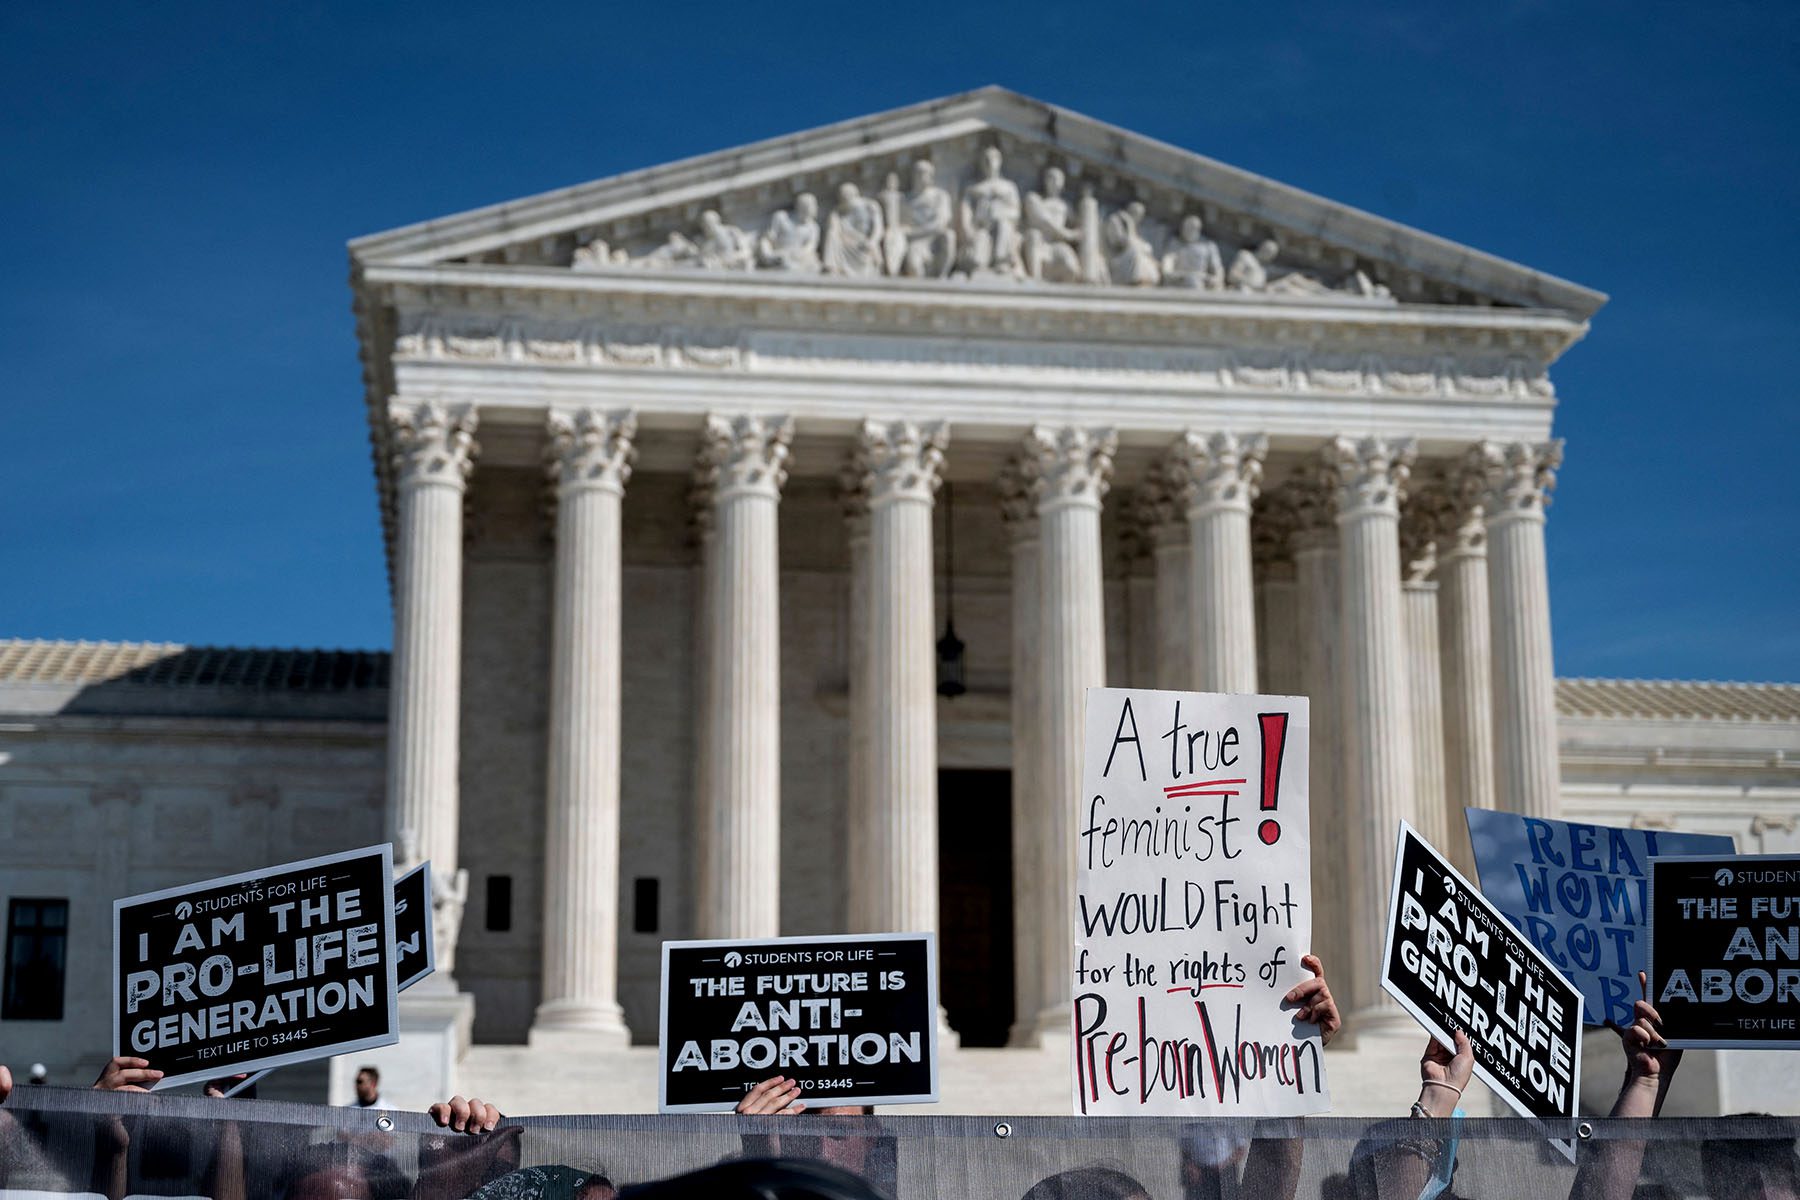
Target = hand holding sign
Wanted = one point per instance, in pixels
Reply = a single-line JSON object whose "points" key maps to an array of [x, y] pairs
{"points": [[125, 1074], [1315, 1000]]}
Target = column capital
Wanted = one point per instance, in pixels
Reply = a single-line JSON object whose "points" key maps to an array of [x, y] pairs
{"points": [[1418, 539], [1314, 495], [1371, 474], [1074, 464], [433, 442], [1453, 501], [745, 454], [1274, 527], [853, 492], [590, 450], [1017, 484], [902, 460], [1156, 515], [1206, 472], [1519, 477]]}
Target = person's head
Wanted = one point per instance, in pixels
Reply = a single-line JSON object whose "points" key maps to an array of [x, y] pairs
{"points": [[806, 206], [709, 221], [923, 174], [990, 162], [368, 1085], [1267, 249], [1088, 1183], [1190, 228], [848, 195], [760, 1179], [1054, 179], [1750, 1168], [341, 1171]]}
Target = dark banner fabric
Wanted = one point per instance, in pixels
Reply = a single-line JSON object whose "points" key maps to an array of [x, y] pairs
{"points": [[1725, 950], [1456, 963], [257, 970], [853, 1020], [56, 1141]]}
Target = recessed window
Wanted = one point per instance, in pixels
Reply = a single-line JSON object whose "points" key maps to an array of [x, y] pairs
{"points": [[499, 903], [645, 898], [37, 943]]}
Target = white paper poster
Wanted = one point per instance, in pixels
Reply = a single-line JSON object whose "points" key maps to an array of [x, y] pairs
{"points": [[1193, 906]]}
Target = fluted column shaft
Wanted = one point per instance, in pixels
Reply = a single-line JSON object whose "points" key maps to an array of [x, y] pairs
{"points": [[740, 830], [1316, 596], [589, 462], [434, 449], [904, 462], [1161, 522], [855, 495], [1527, 771], [1425, 695], [1018, 510], [1074, 470], [1272, 529], [1466, 649], [1377, 721], [1217, 477]]}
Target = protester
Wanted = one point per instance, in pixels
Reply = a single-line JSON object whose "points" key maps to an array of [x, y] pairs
{"points": [[1088, 1183], [124, 1073], [1610, 1167], [368, 1089], [871, 1157], [1398, 1163]]}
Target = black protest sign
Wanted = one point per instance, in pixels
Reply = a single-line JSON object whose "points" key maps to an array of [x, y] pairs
{"points": [[852, 1020], [415, 954], [1454, 961], [261, 969], [1725, 950]]}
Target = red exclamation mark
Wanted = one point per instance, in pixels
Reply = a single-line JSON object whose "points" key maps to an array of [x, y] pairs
{"points": [[1274, 741]]}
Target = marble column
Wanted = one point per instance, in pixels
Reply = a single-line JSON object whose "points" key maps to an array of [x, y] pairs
{"points": [[1216, 477], [1074, 471], [1424, 685], [1466, 646], [433, 451], [739, 833], [1313, 494], [904, 463], [1018, 511], [1272, 528], [1163, 525], [853, 490], [589, 463], [1520, 476], [1377, 725]]}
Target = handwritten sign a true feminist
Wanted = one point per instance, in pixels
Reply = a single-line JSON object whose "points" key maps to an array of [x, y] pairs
{"points": [[1725, 950], [1193, 905], [1580, 893], [851, 1019], [260, 969], [1454, 962]]}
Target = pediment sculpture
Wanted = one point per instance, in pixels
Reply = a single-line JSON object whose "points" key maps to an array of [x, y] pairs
{"points": [[989, 231]]}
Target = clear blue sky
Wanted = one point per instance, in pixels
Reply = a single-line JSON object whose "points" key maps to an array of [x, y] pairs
{"points": [[182, 448]]}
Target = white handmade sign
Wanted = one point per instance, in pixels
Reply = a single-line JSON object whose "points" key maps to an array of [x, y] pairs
{"points": [[1193, 906]]}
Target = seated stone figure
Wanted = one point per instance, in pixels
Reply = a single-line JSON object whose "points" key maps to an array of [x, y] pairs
{"points": [[1052, 235], [1130, 259], [853, 235], [1192, 259], [990, 221], [792, 240]]}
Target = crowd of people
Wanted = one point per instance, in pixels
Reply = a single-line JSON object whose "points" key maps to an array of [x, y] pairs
{"points": [[1414, 1158]]}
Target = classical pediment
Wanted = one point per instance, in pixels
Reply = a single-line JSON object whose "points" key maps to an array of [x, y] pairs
{"points": [[987, 189]]}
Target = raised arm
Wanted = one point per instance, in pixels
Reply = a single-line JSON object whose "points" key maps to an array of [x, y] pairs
{"points": [[1610, 1168]]}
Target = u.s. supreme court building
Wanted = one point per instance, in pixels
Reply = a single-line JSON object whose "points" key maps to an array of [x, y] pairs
{"points": [[755, 524]]}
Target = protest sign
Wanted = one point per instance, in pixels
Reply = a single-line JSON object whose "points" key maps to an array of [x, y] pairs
{"points": [[1580, 893], [415, 955], [1454, 962], [851, 1019], [1725, 950], [1193, 905], [260, 969]]}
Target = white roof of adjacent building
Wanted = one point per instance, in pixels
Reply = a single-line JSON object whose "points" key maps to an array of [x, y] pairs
{"points": [[1677, 699]]}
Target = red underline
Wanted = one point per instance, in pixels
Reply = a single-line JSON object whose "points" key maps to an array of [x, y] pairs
{"points": [[1203, 987]]}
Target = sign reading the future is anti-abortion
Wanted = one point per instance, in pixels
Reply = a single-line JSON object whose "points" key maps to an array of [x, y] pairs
{"points": [[1193, 905], [1580, 893], [1454, 962], [1725, 950], [261, 969], [852, 1020]]}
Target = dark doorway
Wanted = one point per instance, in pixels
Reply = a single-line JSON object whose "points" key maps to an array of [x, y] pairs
{"points": [[975, 917]]}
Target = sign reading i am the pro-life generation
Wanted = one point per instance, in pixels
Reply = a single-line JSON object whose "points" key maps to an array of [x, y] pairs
{"points": [[1581, 894], [260, 969], [1454, 962], [1725, 950], [1193, 907], [851, 1019]]}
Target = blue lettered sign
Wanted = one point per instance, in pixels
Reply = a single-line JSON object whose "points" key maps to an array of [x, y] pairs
{"points": [[1579, 892]]}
